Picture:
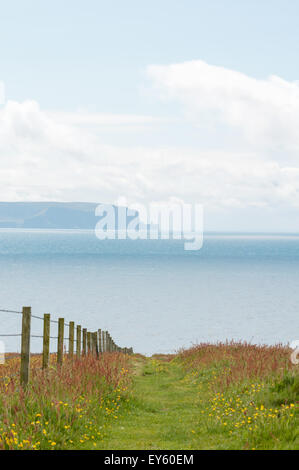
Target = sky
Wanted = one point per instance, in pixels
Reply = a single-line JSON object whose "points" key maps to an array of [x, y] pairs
{"points": [[158, 101]]}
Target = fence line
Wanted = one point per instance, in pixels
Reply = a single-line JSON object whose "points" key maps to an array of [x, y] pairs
{"points": [[17, 334], [32, 316], [10, 311], [87, 342]]}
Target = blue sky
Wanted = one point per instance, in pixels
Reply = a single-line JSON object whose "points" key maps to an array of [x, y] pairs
{"points": [[99, 94], [68, 54]]}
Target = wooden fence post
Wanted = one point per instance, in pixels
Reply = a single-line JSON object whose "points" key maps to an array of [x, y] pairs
{"points": [[84, 341], [100, 340], [92, 343], [78, 338], [89, 342], [103, 342], [93, 346], [46, 341], [95, 342], [71, 339], [25, 346], [60, 341]]}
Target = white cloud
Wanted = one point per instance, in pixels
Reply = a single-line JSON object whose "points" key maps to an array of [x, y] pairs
{"points": [[85, 118], [266, 111], [2, 93], [60, 156], [63, 156]]}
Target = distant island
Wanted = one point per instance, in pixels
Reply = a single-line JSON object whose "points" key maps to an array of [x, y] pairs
{"points": [[48, 215]]}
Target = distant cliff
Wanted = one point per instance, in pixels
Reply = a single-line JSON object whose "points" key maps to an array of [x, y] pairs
{"points": [[48, 215]]}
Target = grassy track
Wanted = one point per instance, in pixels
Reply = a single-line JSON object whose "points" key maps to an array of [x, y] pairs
{"points": [[161, 413], [169, 409], [224, 396]]}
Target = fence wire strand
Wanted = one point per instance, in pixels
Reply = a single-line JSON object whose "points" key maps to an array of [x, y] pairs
{"points": [[17, 334], [74, 340], [3, 310], [10, 311]]}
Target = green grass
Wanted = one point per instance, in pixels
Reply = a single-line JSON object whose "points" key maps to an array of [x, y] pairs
{"points": [[226, 396], [67, 407], [160, 413], [172, 409]]}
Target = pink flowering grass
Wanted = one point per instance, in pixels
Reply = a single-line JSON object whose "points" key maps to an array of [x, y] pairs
{"points": [[62, 407], [235, 362]]}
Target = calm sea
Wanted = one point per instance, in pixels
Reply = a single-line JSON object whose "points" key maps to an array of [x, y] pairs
{"points": [[153, 295]]}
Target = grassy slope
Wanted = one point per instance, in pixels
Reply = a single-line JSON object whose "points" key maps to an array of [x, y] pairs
{"points": [[161, 413], [201, 399], [170, 409], [62, 408]]}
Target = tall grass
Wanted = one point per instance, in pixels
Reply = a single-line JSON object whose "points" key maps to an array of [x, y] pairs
{"points": [[62, 406], [237, 362], [249, 394]]}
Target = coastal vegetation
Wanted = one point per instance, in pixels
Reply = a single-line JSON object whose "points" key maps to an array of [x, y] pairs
{"points": [[223, 396]]}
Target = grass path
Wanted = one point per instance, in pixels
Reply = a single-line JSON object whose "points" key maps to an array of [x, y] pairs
{"points": [[201, 401], [169, 409], [162, 413]]}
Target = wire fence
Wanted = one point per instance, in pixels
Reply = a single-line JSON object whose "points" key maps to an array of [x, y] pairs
{"points": [[85, 343], [32, 316]]}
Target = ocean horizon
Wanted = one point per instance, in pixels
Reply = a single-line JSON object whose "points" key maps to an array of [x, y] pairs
{"points": [[151, 294]]}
